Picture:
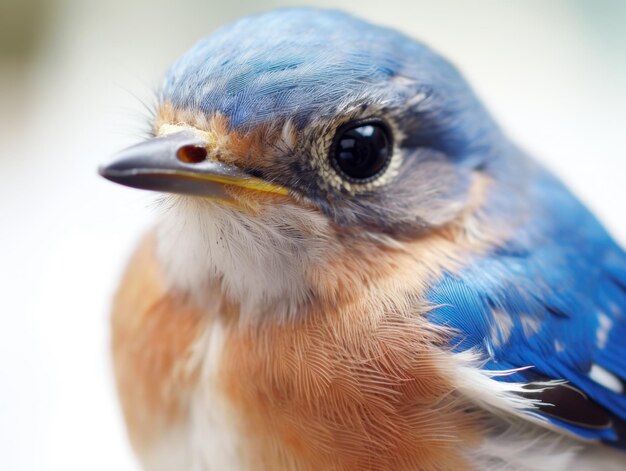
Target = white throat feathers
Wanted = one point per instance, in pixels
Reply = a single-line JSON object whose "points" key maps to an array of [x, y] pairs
{"points": [[258, 261]]}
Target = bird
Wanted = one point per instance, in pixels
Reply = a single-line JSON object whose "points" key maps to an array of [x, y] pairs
{"points": [[355, 268]]}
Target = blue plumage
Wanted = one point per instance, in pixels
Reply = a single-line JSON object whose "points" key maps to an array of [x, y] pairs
{"points": [[335, 58], [559, 287]]}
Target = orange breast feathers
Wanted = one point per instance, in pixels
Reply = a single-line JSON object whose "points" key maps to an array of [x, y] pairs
{"points": [[342, 387], [333, 395], [153, 334]]}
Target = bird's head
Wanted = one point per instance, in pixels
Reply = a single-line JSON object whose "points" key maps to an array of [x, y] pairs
{"points": [[294, 138]]}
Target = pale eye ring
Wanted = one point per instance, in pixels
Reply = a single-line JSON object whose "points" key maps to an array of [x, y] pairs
{"points": [[362, 150]]}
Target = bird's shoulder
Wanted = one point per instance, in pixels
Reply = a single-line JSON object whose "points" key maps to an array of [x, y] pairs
{"points": [[550, 300]]}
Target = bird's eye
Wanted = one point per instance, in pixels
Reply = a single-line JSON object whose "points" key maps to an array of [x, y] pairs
{"points": [[361, 150]]}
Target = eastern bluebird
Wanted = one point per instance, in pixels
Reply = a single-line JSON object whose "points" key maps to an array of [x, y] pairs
{"points": [[355, 269]]}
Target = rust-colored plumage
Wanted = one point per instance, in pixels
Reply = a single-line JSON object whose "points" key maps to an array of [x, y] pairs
{"points": [[355, 382], [153, 332]]}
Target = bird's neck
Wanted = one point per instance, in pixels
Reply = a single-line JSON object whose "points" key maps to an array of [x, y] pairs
{"points": [[287, 258], [259, 262]]}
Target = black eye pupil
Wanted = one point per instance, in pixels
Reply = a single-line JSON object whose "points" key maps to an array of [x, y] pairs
{"points": [[362, 150]]}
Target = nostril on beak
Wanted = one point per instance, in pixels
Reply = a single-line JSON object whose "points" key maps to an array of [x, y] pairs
{"points": [[191, 154]]}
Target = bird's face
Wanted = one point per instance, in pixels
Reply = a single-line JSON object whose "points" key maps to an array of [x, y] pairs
{"points": [[289, 137]]}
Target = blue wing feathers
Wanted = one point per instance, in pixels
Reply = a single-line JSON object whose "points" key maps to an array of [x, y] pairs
{"points": [[553, 297]]}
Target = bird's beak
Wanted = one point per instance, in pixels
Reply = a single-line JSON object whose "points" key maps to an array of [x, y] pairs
{"points": [[178, 163]]}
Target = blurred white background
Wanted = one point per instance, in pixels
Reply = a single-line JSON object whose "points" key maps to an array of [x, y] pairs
{"points": [[73, 76]]}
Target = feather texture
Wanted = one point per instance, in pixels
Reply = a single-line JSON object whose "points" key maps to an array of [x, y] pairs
{"points": [[551, 298]]}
